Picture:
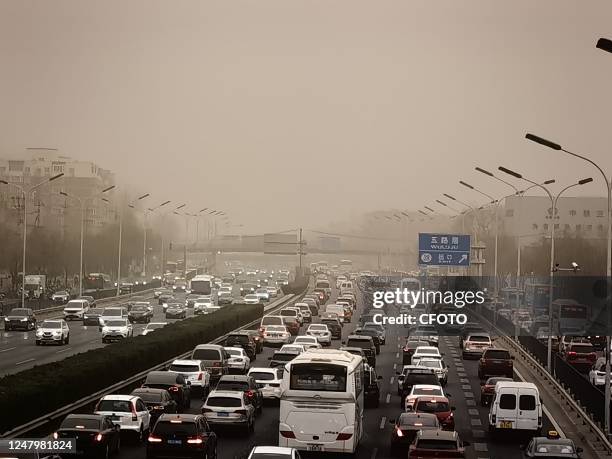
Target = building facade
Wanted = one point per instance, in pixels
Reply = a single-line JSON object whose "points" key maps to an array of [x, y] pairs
{"points": [[46, 206], [531, 217]]}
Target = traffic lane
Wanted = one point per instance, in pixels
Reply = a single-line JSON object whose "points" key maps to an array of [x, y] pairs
{"points": [[24, 354]]}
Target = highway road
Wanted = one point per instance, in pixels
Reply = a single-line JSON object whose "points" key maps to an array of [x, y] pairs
{"points": [[463, 385]]}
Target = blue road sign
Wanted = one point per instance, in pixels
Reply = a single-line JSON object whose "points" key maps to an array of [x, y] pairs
{"points": [[444, 249]]}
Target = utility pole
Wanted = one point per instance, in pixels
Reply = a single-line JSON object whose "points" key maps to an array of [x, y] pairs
{"points": [[300, 250]]}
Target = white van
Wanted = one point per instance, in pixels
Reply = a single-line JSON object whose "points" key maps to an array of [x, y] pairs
{"points": [[346, 287], [517, 406]]}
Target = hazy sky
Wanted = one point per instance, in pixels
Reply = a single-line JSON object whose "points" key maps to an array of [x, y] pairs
{"points": [[301, 112]]}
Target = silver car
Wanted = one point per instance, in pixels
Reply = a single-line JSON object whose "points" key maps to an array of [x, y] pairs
{"points": [[229, 408]]}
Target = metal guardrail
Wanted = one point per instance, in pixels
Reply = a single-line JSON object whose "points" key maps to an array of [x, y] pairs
{"points": [[35, 424], [585, 418]]}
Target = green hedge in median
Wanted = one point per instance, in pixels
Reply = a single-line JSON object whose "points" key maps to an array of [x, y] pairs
{"points": [[40, 390]]}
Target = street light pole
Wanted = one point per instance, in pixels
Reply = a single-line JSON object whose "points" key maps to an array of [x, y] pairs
{"points": [[26, 194], [605, 45]]}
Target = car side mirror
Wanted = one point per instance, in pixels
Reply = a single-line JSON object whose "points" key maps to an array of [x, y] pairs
{"points": [[343, 342], [466, 443], [400, 378], [512, 357], [453, 408], [522, 447], [269, 358], [579, 449], [188, 382], [482, 383], [391, 421], [448, 395], [379, 378]]}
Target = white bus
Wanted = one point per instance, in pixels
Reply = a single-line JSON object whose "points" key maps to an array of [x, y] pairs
{"points": [[321, 406], [202, 285]]}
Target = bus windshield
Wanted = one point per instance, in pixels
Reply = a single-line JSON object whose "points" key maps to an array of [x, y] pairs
{"points": [[318, 377]]}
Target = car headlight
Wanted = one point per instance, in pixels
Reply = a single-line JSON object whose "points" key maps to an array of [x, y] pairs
{"points": [[39, 332], [6, 319], [25, 319], [57, 333]]}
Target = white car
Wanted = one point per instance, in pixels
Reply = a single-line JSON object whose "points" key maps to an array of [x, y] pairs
{"points": [[251, 298], [75, 309], [224, 407], [293, 349], [474, 345], [292, 311], [195, 372], [425, 351], [308, 341], [437, 365], [272, 291], [52, 331], [597, 375], [305, 311], [238, 360], [276, 452], [422, 390], [112, 313], [152, 326], [270, 379], [116, 329], [263, 294], [378, 327], [202, 305], [60, 297], [127, 411], [321, 333], [276, 334]]}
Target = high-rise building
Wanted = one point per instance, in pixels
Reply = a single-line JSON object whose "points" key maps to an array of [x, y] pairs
{"points": [[46, 206]]}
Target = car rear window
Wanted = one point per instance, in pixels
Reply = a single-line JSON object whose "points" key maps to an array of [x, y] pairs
{"points": [[170, 428], [206, 354], [232, 402], [262, 376], [428, 406], [237, 339], [479, 339], [497, 354], [283, 356], [413, 379], [72, 423], [362, 343], [582, 348], [233, 385], [117, 406], [148, 396], [507, 402], [184, 368], [527, 402]]}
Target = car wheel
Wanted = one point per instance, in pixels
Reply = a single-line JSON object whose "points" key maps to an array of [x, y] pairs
{"points": [[37, 342], [252, 425], [141, 438], [68, 339], [118, 445], [104, 454]]}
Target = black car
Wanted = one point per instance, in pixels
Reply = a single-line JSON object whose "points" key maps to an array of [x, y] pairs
{"points": [[244, 340], [371, 389], [246, 384], [165, 298], [184, 435], [279, 359], [375, 334], [95, 435], [366, 343], [90, 299], [416, 376], [92, 316], [407, 425], [140, 313], [257, 339], [174, 383], [157, 401], [334, 327], [20, 319], [248, 288], [409, 348], [176, 311], [190, 300]]}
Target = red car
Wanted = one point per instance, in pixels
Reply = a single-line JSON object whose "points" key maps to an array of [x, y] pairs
{"points": [[293, 326], [487, 389], [438, 444], [580, 355], [439, 406]]}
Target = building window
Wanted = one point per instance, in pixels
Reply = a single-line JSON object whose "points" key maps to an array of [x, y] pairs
{"points": [[47, 171], [600, 213], [534, 226], [509, 212], [578, 227], [545, 226], [15, 166], [556, 226], [600, 228], [58, 168], [589, 227], [572, 213], [567, 227], [586, 213]]}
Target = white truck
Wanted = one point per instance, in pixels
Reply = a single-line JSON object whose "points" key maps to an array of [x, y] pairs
{"points": [[35, 285]]}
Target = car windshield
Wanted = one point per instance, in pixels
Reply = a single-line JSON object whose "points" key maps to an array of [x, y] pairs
{"points": [[480, 339], [80, 423], [262, 376], [112, 313], [283, 356], [62, 292], [116, 406], [362, 343], [206, 354], [432, 406], [250, 297], [148, 397], [230, 402], [51, 324], [139, 308], [184, 368], [497, 354], [237, 339], [409, 420], [305, 340], [115, 323], [554, 448], [95, 311]]}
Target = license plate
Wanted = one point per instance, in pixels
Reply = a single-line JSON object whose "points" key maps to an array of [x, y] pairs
{"points": [[175, 442], [313, 447], [223, 414], [505, 425]]}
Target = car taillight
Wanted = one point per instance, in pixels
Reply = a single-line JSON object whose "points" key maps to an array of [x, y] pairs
{"points": [[242, 412], [592, 356], [134, 414], [173, 388], [200, 376], [571, 354], [493, 418], [344, 436], [153, 439], [206, 410], [250, 393], [216, 364], [287, 433], [99, 437], [55, 435], [195, 441], [399, 432]]}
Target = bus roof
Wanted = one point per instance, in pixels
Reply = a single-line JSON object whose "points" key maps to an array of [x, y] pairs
{"points": [[334, 356], [202, 277]]}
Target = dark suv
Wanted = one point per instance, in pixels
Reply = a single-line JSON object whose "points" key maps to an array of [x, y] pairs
{"points": [[495, 362], [244, 340], [175, 383], [185, 435], [416, 376], [20, 318], [366, 343], [246, 384]]}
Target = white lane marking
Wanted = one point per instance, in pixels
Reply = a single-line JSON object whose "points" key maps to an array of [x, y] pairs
{"points": [[546, 412], [392, 379], [397, 355], [388, 399], [383, 421], [374, 452], [8, 349], [24, 361], [394, 365], [63, 350]]}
